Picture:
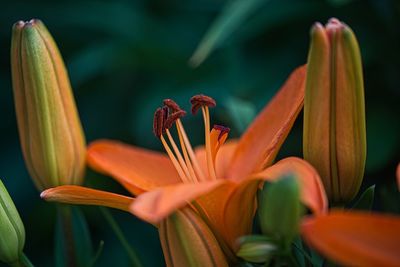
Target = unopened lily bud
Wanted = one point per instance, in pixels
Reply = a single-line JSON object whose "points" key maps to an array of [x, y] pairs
{"points": [[280, 210], [334, 138], [12, 232], [257, 249], [187, 241], [50, 131]]}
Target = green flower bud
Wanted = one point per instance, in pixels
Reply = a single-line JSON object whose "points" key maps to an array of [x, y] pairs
{"points": [[257, 249], [50, 131], [334, 138], [12, 232], [280, 210], [188, 241]]}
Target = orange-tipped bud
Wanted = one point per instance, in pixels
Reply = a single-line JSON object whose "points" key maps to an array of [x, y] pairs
{"points": [[334, 139], [50, 131], [187, 241]]}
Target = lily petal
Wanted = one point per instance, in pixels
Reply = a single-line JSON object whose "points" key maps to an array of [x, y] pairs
{"points": [[312, 190], [155, 205], [260, 143], [73, 194], [355, 238], [135, 168]]}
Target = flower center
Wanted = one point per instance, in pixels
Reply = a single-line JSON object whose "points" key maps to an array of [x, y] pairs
{"points": [[184, 158]]}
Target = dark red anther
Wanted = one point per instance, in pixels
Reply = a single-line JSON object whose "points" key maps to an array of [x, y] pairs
{"points": [[198, 101], [173, 117], [165, 113], [222, 130], [172, 105], [158, 122]]}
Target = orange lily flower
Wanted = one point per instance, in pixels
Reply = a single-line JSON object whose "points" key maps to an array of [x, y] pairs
{"points": [[219, 180]]}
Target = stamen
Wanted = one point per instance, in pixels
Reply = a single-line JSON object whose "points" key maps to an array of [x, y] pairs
{"points": [[199, 101], [173, 117], [179, 156], [158, 122], [218, 136], [175, 162], [222, 130], [172, 105], [210, 162], [188, 146]]}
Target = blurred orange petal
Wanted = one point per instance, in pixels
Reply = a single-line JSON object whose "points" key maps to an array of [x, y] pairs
{"points": [[135, 168], [159, 203], [73, 194], [313, 192], [260, 143], [355, 238]]}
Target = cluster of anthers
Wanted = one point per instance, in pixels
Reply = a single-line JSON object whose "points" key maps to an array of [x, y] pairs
{"points": [[184, 159]]}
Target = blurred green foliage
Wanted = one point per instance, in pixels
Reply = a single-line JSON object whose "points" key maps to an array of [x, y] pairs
{"points": [[124, 57]]}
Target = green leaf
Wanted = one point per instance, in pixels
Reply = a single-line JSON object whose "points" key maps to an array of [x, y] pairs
{"points": [[242, 112], [232, 16], [72, 239], [366, 199]]}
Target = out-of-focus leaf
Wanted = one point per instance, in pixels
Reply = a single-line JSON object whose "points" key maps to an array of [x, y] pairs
{"points": [[339, 2], [97, 254], [242, 112], [298, 252], [383, 131], [232, 16], [72, 229], [366, 199]]}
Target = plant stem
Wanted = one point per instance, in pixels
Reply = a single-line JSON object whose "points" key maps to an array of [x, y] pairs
{"points": [[25, 261], [67, 230], [118, 232]]}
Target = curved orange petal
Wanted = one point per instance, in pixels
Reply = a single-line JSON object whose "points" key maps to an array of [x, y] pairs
{"points": [[312, 190], [260, 143], [155, 205], [73, 194], [135, 168], [239, 212], [355, 238], [223, 157]]}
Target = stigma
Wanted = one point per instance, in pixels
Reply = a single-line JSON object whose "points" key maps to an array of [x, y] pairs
{"points": [[183, 157]]}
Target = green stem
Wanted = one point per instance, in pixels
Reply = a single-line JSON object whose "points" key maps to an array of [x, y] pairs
{"points": [[25, 261], [65, 214], [118, 232]]}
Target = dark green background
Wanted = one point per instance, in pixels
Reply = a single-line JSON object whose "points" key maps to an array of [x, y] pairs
{"points": [[124, 57]]}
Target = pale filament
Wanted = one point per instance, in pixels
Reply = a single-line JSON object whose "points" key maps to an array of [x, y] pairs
{"points": [[178, 154], [210, 164], [190, 151], [177, 166]]}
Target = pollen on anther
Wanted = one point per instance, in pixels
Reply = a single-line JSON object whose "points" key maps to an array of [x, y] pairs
{"points": [[173, 117], [198, 101], [158, 122], [222, 130], [172, 105]]}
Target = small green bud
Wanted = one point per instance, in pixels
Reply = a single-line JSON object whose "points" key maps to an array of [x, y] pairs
{"points": [[257, 249], [12, 232], [280, 210], [50, 131], [334, 137]]}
